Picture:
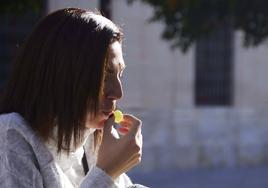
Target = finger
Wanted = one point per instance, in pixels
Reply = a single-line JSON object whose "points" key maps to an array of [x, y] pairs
{"points": [[128, 118], [123, 130], [125, 124], [135, 128], [139, 139], [108, 124], [135, 158]]}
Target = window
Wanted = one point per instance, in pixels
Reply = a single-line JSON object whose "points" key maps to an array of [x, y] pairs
{"points": [[214, 68]]}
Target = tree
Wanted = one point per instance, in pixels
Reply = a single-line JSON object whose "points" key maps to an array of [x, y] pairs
{"points": [[186, 21], [20, 6]]}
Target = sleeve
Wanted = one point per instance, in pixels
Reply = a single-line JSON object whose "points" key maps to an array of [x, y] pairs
{"points": [[97, 178], [123, 181]]}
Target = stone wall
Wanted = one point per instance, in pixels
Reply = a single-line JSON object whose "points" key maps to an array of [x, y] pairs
{"points": [[159, 88]]}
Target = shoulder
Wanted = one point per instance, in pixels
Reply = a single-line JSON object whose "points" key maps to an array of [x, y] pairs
{"points": [[23, 154], [14, 138], [18, 156], [20, 144], [14, 121], [14, 133]]}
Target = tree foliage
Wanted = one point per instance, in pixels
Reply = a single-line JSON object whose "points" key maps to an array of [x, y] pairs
{"points": [[20, 6], [188, 20]]}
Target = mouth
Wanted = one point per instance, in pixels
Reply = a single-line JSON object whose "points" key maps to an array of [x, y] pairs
{"points": [[107, 113], [107, 109]]}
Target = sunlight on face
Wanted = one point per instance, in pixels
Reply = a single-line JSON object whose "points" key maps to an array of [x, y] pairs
{"points": [[112, 86]]}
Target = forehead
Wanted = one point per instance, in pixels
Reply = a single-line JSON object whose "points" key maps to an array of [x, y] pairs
{"points": [[116, 55]]}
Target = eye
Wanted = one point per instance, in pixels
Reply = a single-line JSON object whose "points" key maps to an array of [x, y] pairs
{"points": [[107, 76], [109, 70]]}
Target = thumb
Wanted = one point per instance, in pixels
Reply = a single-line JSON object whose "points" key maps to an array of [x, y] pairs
{"points": [[108, 124]]}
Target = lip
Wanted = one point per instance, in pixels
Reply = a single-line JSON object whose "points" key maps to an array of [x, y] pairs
{"points": [[107, 113], [108, 110], [108, 106]]}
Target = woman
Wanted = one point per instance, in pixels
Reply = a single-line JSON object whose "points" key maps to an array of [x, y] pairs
{"points": [[59, 103]]}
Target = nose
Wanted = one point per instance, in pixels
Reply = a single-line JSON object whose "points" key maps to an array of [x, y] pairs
{"points": [[114, 90]]}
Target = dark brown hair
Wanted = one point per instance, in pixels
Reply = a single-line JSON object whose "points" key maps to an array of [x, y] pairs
{"points": [[57, 77]]}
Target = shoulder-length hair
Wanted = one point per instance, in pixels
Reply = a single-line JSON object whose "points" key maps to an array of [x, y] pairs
{"points": [[58, 76]]}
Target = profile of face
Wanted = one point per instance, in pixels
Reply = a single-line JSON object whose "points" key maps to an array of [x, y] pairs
{"points": [[112, 86]]}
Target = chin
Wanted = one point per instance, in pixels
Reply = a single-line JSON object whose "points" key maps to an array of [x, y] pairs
{"points": [[95, 125], [99, 128], [100, 125]]}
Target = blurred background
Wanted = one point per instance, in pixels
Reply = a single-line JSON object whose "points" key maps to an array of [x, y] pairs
{"points": [[196, 75]]}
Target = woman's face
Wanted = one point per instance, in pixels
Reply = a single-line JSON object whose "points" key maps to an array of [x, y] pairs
{"points": [[112, 86]]}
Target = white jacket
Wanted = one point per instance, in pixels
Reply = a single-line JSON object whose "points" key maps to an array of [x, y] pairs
{"points": [[27, 162]]}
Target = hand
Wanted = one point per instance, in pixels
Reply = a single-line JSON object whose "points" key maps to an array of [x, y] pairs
{"points": [[117, 156], [125, 124]]}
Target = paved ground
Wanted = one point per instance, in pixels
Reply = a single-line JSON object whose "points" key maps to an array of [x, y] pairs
{"points": [[243, 177]]}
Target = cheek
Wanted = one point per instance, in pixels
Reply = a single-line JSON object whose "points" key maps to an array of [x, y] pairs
{"points": [[107, 83], [94, 123], [90, 122]]}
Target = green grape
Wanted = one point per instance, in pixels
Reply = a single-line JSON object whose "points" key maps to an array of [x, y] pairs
{"points": [[118, 116]]}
